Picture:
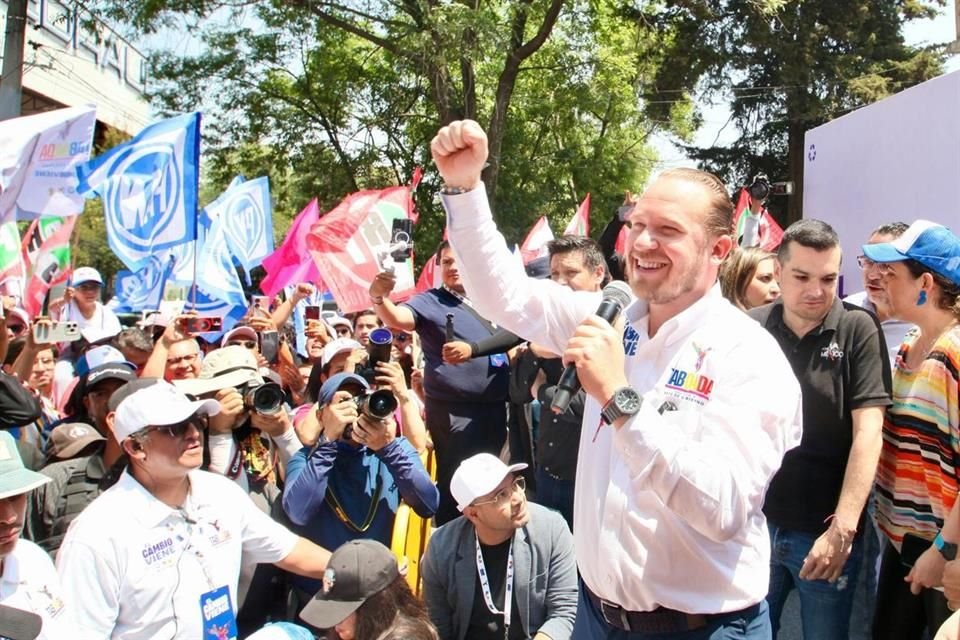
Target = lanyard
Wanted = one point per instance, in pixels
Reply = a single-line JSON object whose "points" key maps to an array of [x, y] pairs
{"points": [[508, 588]]}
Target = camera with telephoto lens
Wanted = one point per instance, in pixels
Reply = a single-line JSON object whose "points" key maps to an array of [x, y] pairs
{"points": [[379, 348], [761, 188], [376, 405], [265, 398]]}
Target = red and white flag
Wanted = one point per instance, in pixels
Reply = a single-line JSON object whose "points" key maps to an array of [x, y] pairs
{"points": [[579, 224], [535, 244]]}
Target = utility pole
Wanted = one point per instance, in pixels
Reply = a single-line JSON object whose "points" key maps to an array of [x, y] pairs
{"points": [[11, 81]]}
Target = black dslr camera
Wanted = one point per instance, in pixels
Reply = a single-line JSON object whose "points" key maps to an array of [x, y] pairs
{"points": [[376, 405], [379, 346], [265, 398], [761, 188]]}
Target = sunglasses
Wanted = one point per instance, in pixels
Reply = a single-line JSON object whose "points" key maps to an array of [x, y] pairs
{"points": [[246, 344], [181, 428]]}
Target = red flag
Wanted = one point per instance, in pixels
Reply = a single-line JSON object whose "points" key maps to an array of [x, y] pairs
{"points": [[429, 276], [51, 266], [291, 262], [535, 244], [346, 243], [770, 232], [580, 222], [621, 244]]}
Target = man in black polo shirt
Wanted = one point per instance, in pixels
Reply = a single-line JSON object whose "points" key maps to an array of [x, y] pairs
{"points": [[815, 501]]}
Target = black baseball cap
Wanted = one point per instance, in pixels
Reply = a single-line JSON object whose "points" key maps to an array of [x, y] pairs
{"points": [[357, 570]]}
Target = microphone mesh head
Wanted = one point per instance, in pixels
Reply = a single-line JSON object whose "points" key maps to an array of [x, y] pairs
{"points": [[618, 292]]}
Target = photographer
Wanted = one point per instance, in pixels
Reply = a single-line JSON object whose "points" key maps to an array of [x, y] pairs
{"points": [[349, 484]]}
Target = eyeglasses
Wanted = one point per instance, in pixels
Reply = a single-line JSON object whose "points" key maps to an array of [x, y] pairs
{"points": [[865, 264], [187, 359], [181, 428], [246, 344], [88, 286], [505, 495]]}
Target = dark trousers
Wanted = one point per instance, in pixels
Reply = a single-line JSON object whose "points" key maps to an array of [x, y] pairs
{"points": [[460, 430], [900, 615], [555, 493]]}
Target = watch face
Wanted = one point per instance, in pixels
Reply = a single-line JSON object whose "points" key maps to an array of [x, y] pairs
{"points": [[627, 401]]}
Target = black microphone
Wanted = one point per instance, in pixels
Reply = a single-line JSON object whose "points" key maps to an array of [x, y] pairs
{"points": [[616, 296], [449, 329]]}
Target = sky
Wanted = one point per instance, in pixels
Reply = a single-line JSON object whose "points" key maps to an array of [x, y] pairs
{"points": [[717, 128]]}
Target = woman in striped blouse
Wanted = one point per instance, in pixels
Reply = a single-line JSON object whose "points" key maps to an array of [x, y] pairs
{"points": [[917, 478]]}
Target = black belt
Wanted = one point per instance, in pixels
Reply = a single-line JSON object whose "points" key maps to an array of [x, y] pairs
{"points": [[660, 620]]}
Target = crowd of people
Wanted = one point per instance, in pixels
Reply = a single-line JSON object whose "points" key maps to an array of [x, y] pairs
{"points": [[736, 431]]}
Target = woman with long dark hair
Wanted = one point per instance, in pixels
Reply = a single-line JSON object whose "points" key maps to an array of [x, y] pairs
{"points": [[363, 593]]}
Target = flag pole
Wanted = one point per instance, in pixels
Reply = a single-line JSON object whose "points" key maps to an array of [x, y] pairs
{"points": [[196, 221]]}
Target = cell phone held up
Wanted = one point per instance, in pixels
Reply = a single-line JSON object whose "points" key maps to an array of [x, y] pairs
{"points": [[51, 332], [311, 312], [200, 324]]}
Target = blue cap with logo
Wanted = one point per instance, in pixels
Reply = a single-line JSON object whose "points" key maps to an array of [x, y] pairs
{"points": [[931, 244], [333, 384]]}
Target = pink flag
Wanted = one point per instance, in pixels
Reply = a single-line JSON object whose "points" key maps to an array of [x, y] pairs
{"points": [[347, 242], [535, 244], [580, 222], [621, 244], [291, 262]]}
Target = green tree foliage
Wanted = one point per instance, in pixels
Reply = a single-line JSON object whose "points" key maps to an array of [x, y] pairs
{"points": [[799, 64], [331, 97]]}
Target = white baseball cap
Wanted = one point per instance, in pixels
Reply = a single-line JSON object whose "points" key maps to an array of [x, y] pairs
{"points": [[237, 333], [85, 274], [337, 346], [340, 321], [477, 476], [158, 405]]}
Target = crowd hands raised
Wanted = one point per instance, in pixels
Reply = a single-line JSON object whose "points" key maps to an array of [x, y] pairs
{"points": [[249, 487]]}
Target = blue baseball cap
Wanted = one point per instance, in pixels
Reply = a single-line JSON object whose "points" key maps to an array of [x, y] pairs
{"points": [[333, 384], [99, 356], [931, 244]]}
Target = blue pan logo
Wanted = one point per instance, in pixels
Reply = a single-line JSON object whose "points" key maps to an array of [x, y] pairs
{"points": [[144, 200], [244, 228]]}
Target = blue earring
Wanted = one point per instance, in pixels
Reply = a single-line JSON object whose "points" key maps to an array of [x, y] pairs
{"points": [[922, 300]]}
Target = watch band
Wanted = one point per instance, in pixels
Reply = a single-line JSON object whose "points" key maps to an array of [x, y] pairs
{"points": [[947, 549]]}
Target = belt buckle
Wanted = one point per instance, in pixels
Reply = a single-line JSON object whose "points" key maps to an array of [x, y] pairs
{"points": [[617, 615]]}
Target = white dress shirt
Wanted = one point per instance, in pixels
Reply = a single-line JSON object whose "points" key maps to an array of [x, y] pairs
{"points": [[134, 568], [668, 509]]}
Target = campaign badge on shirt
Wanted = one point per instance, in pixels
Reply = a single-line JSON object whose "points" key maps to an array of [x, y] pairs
{"points": [[499, 360], [219, 621]]}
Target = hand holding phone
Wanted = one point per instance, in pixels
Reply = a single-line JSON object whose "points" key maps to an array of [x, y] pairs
{"points": [[311, 312], [193, 325]]}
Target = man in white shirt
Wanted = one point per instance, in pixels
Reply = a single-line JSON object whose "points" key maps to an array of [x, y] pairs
{"points": [[690, 407], [28, 581], [158, 554]]}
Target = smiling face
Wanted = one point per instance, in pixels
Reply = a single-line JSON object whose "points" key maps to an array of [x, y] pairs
{"points": [[671, 259]]}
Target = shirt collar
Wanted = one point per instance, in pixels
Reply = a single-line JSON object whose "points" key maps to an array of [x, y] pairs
{"points": [[680, 325], [147, 510], [830, 322]]}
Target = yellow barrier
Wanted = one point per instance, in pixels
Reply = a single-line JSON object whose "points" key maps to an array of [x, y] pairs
{"points": [[411, 532]]}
